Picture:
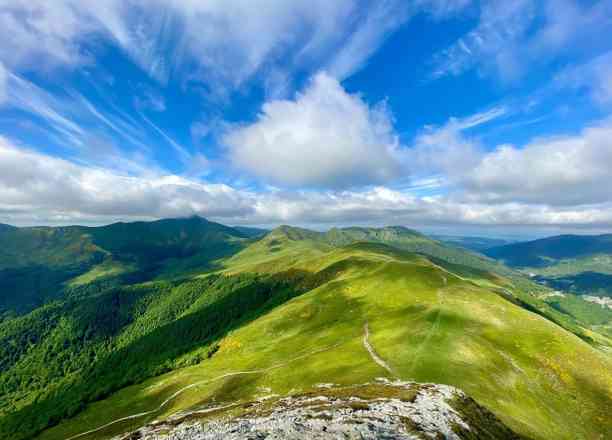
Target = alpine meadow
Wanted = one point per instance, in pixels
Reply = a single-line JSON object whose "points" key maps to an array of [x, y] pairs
{"points": [[289, 219]]}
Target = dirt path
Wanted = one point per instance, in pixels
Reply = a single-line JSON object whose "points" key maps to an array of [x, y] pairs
{"points": [[202, 382], [375, 357], [448, 272]]}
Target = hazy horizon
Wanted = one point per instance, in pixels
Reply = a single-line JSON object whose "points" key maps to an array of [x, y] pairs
{"points": [[451, 115]]}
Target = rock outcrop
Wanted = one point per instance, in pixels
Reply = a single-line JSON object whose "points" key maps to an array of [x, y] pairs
{"points": [[380, 410]]}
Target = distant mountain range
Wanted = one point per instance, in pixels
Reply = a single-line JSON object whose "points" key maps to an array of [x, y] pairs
{"points": [[477, 244], [548, 251], [576, 263]]}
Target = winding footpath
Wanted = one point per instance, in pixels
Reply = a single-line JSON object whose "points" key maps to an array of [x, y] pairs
{"points": [[375, 357], [366, 343], [203, 382]]}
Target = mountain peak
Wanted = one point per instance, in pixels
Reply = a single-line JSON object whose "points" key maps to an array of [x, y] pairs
{"points": [[295, 233], [5, 227]]}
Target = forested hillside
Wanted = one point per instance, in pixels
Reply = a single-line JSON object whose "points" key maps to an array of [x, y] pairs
{"points": [[41, 264]]}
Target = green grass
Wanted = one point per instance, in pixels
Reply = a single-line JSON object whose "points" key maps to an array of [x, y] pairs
{"points": [[540, 380], [594, 316], [108, 268]]}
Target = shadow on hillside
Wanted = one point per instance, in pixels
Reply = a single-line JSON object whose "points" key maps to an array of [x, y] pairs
{"points": [[155, 352]]}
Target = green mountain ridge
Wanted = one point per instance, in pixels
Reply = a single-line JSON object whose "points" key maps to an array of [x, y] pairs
{"points": [[396, 236], [573, 263]]}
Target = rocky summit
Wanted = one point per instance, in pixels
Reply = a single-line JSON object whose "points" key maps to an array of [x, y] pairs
{"points": [[380, 410]]}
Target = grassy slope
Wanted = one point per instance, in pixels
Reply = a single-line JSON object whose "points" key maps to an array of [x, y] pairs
{"points": [[64, 355], [577, 265], [539, 379]]}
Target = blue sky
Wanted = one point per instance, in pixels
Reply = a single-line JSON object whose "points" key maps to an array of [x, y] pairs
{"points": [[485, 117]]}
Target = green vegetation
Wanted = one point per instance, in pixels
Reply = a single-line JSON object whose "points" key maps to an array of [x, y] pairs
{"points": [[488, 426], [575, 265], [594, 316], [222, 319], [64, 355], [37, 265]]}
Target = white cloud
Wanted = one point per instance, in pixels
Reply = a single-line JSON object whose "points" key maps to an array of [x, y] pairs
{"points": [[561, 172], [444, 8], [568, 170], [3, 81], [228, 41], [492, 44], [324, 137], [512, 36], [594, 76], [35, 185], [37, 189], [446, 149], [149, 99], [383, 18], [219, 43]]}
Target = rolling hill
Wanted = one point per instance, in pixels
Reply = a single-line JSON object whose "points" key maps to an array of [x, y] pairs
{"points": [[41, 264], [287, 313]]}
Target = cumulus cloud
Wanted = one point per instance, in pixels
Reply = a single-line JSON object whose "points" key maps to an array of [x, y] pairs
{"points": [[34, 184], [557, 171], [37, 188], [567, 170], [323, 137], [446, 149]]}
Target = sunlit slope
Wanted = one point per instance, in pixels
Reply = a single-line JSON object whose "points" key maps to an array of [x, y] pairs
{"points": [[425, 324]]}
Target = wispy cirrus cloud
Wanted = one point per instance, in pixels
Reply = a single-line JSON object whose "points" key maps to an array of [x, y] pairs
{"points": [[219, 43], [511, 37], [594, 76], [3, 81], [79, 127]]}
